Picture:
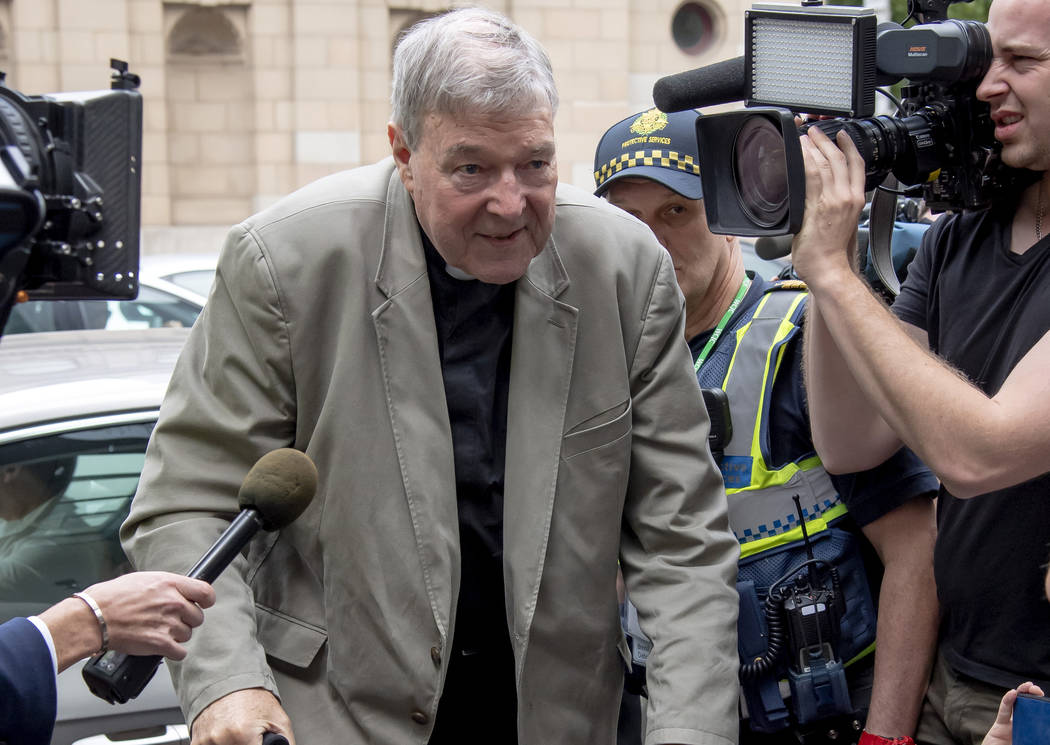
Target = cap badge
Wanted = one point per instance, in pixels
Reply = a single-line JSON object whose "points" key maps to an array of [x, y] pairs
{"points": [[651, 121]]}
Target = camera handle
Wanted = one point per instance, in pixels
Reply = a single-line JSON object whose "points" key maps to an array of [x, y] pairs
{"points": [[880, 234]]}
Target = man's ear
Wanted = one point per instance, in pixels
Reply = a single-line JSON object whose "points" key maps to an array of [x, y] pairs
{"points": [[402, 155]]}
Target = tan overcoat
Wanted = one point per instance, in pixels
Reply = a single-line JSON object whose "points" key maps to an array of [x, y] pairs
{"points": [[319, 335]]}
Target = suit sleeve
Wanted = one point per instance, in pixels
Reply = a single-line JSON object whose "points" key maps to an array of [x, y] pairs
{"points": [[231, 400], [28, 695], [678, 556]]}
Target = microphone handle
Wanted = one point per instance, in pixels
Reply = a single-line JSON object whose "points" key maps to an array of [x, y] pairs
{"points": [[230, 543], [117, 677]]}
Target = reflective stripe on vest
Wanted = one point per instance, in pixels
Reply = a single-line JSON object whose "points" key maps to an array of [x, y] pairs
{"points": [[760, 497]]}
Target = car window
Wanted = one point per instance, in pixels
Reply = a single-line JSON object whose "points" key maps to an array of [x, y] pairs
{"points": [[198, 280], [62, 500], [152, 309]]}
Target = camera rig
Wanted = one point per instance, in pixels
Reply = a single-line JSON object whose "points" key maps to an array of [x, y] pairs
{"points": [[70, 188], [831, 61]]}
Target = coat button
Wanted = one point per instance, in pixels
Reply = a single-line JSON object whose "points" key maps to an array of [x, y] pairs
{"points": [[435, 655], [419, 717]]}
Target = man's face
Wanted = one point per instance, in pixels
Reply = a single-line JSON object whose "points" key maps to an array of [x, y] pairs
{"points": [[1017, 85], [701, 258], [483, 188]]}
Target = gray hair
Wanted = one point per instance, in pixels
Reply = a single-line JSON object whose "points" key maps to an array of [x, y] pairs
{"points": [[468, 60]]}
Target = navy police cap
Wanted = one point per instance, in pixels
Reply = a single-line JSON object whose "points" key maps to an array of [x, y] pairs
{"points": [[653, 145]]}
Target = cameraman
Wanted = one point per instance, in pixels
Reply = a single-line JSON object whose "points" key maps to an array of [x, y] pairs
{"points": [[973, 308]]}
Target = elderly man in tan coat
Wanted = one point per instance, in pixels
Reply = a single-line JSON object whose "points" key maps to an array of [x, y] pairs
{"points": [[488, 370]]}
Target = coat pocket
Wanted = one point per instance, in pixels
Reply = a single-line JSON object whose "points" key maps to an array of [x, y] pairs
{"points": [[600, 433], [288, 639]]}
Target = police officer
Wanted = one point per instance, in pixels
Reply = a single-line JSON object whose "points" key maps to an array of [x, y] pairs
{"points": [[745, 335]]}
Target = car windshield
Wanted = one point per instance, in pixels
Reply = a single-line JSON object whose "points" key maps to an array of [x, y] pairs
{"points": [[152, 309], [62, 499]]}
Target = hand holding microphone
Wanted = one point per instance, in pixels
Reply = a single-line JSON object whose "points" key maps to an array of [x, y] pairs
{"points": [[274, 493]]}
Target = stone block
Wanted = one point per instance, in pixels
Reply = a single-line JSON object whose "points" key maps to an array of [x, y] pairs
{"points": [[184, 149], [77, 47], [38, 16], [209, 211], [156, 210], [181, 84], [96, 15], [312, 115], [35, 78], [199, 117], [273, 147], [274, 84], [146, 49], [325, 18], [343, 52], [324, 84], [226, 148], [79, 77], [269, 19], [145, 17], [328, 147], [227, 83], [311, 51], [571, 23], [154, 148]]}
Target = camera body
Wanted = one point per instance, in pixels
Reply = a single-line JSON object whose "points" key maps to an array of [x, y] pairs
{"points": [[70, 193], [941, 141]]}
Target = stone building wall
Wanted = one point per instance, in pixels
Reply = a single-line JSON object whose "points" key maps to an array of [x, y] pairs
{"points": [[245, 101]]}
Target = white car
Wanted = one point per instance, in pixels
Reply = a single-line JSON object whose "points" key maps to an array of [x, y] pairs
{"points": [[76, 411], [172, 291], [180, 273]]}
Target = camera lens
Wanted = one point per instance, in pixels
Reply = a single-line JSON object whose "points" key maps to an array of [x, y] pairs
{"points": [[760, 169]]}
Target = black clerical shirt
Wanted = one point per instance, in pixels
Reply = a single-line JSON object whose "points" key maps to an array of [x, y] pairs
{"points": [[474, 322]]}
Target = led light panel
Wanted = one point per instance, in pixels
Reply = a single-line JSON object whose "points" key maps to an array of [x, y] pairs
{"points": [[818, 60]]}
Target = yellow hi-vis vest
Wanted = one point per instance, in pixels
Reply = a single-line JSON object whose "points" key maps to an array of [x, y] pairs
{"points": [[762, 513]]}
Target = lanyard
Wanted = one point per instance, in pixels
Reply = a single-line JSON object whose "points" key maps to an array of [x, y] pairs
{"points": [[722, 324]]}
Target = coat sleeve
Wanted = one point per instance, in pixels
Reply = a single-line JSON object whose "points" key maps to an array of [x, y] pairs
{"points": [[28, 698], [231, 400], [678, 557]]}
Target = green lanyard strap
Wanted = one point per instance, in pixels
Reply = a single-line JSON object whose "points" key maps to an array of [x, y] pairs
{"points": [[713, 339]]}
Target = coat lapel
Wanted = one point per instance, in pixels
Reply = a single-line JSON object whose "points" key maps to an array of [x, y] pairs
{"points": [[541, 370], [415, 397]]}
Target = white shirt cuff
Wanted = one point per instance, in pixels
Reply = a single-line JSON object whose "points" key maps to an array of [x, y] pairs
{"points": [[46, 633]]}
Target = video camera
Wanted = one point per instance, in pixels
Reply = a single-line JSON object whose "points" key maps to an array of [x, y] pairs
{"points": [[830, 60], [70, 186]]}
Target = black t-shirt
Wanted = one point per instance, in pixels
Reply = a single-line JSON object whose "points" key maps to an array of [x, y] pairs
{"points": [[983, 309]]}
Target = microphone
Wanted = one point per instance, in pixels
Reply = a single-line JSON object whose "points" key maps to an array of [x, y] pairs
{"points": [[274, 493], [722, 82]]}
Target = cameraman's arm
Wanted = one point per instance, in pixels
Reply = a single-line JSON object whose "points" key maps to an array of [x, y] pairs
{"points": [[849, 433], [975, 444]]}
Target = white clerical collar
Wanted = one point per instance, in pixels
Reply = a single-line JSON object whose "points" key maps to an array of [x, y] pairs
{"points": [[457, 273]]}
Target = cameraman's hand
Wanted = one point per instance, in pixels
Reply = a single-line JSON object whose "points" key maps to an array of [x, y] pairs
{"points": [[1002, 731], [825, 245], [241, 718]]}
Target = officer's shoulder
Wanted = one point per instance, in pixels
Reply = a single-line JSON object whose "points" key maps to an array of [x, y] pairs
{"points": [[781, 285]]}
